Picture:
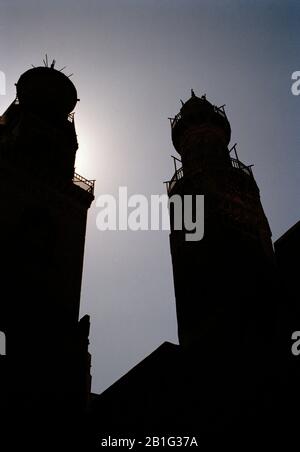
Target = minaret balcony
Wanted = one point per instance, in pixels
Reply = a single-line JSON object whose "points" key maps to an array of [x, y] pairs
{"points": [[85, 184], [235, 163]]}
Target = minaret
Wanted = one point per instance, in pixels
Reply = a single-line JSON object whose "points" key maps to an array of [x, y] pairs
{"points": [[222, 282], [44, 208]]}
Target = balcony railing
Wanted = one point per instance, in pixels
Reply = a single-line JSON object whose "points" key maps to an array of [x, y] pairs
{"points": [[71, 117], [87, 185], [238, 164], [221, 110], [234, 162], [176, 177], [174, 121]]}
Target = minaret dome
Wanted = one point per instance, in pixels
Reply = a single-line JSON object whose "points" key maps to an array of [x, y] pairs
{"points": [[199, 118], [45, 89]]}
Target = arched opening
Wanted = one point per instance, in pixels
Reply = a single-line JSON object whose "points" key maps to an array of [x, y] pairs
{"points": [[2, 343]]}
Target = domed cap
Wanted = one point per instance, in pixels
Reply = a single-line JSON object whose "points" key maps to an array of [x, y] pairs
{"points": [[194, 114], [196, 104], [44, 89]]}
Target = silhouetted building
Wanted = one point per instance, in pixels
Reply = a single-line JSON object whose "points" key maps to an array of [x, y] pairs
{"points": [[232, 371], [42, 233]]}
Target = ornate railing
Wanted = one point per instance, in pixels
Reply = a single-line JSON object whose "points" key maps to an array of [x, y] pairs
{"points": [[174, 121], [234, 162], [84, 183], [71, 116], [177, 175], [239, 165], [221, 110]]}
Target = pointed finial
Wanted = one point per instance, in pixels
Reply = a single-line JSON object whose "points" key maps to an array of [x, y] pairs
{"points": [[53, 64], [182, 103], [193, 93]]}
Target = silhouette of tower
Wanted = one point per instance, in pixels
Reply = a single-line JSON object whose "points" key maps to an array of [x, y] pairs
{"points": [[42, 234], [222, 282]]}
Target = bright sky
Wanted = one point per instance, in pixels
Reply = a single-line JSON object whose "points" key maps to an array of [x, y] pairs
{"points": [[132, 62]]}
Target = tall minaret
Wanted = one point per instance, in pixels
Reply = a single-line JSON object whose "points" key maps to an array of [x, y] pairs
{"points": [[44, 208], [222, 282]]}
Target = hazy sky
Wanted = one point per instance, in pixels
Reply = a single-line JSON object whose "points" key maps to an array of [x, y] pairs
{"points": [[132, 62]]}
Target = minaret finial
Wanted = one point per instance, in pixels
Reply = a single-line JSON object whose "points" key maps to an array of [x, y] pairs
{"points": [[182, 103], [193, 93]]}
